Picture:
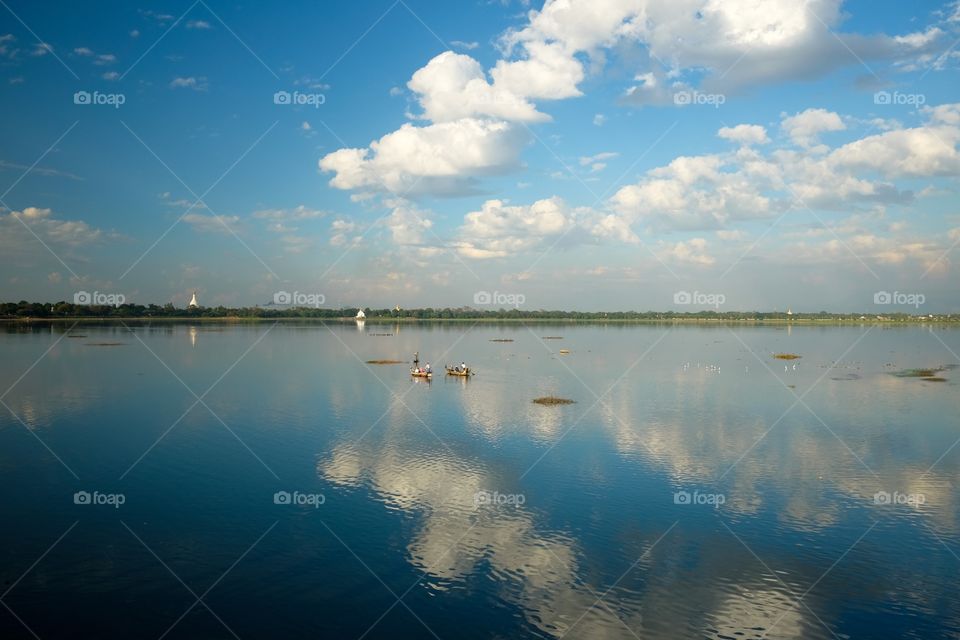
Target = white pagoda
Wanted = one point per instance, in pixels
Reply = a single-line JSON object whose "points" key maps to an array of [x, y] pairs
{"points": [[193, 302], [361, 315]]}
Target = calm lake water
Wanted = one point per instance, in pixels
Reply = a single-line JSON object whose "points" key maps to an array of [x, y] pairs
{"points": [[698, 488]]}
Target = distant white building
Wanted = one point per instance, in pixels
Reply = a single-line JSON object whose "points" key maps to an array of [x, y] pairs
{"points": [[789, 311], [360, 314], [193, 302]]}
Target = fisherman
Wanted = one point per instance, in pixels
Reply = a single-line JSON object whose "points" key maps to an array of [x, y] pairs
{"points": [[416, 358], [463, 366], [427, 368]]}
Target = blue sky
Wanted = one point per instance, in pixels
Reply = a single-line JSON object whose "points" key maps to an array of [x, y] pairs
{"points": [[577, 155]]}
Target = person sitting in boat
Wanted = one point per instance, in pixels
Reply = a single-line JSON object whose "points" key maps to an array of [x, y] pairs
{"points": [[462, 367], [427, 368]]}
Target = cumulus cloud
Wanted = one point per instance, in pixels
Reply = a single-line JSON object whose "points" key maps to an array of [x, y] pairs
{"points": [[343, 231], [714, 190], [189, 82], [745, 134], [41, 221], [453, 86], [803, 128], [693, 251], [439, 158], [408, 225], [499, 229]]}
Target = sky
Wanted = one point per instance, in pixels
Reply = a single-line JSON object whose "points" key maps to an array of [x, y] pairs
{"points": [[569, 154]]}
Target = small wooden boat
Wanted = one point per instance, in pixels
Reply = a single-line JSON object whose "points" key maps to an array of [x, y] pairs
{"points": [[452, 371], [421, 374]]}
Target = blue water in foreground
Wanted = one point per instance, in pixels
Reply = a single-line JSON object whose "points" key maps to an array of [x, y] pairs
{"points": [[262, 481]]}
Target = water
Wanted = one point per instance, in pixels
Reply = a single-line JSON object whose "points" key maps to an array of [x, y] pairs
{"points": [[460, 509]]}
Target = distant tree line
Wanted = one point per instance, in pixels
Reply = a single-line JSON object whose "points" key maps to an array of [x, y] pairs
{"points": [[41, 310]]}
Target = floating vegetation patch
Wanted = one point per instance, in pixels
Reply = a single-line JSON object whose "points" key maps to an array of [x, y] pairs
{"points": [[564, 351], [385, 362], [553, 337], [934, 379], [847, 376], [786, 356], [918, 373], [381, 335], [501, 339], [76, 336], [553, 400], [105, 344]]}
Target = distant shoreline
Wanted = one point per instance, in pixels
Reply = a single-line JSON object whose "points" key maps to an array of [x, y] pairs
{"points": [[87, 320]]}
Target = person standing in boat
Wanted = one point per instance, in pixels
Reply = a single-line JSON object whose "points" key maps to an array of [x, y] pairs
{"points": [[427, 369], [463, 366]]}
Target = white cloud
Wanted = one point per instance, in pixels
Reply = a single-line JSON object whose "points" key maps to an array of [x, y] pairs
{"points": [[453, 86], [606, 155], [439, 158], [693, 251], [803, 128], [83, 51], [465, 45], [408, 225], [696, 192], [110, 75], [343, 232], [745, 134], [498, 229], [599, 119], [198, 24], [190, 82], [41, 49], [41, 222]]}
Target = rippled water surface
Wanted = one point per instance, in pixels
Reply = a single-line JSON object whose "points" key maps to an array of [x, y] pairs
{"points": [[698, 488]]}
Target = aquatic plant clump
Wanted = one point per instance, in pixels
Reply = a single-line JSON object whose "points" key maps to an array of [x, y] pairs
{"points": [[918, 373], [384, 361], [553, 400], [786, 356]]}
